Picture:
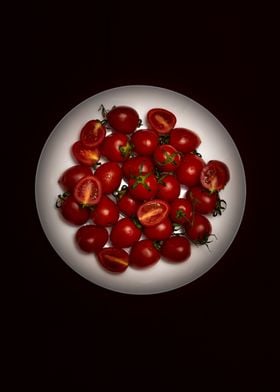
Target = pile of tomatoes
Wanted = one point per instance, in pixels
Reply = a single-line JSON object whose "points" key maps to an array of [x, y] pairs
{"points": [[131, 201]]}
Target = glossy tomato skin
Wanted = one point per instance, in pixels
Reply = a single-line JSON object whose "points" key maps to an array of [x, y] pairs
{"points": [[114, 259], [167, 158], [181, 211], [176, 249], [189, 170], [159, 232], [92, 133], [91, 238], [199, 229], [124, 233], [88, 191], [161, 120], [123, 119], [184, 140], [152, 212], [215, 175], [127, 205], [71, 176], [109, 175], [116, 147], [73, 212], [143, 254], [144, 142], [85, 156], [203, 201], [143, 187], [137, 165], [106, 212], [168, 188]]}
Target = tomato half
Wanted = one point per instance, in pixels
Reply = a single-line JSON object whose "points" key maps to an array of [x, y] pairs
{"points": [[215, 175], [92, 133], [85, 156], [143, 254], [110, 175], [114, 259], [161, 120], [124, 233], [176, 248], [91, 238], [71, 176], [123, 119], [88, 191], [184, 140], [105, 213], [144, 142], [152, 212]]}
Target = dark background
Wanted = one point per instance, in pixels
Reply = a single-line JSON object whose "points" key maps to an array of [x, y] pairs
{"points": [[223, 325]]}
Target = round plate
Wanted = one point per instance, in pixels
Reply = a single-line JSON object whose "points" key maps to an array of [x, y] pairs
{"points": [[216, 144]]}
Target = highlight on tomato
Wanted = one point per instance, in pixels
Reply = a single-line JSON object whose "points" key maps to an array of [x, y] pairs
{"points": [[152, 212]]}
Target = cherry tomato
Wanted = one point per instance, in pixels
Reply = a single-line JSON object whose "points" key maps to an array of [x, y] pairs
{"points": [[159, 232], [116, 147], [181, 211], [124, 233], [202, 200], [168, 188], [127, 205], [88, 191], [184, 140], [92, 133], [176, 248], [152, 212], [199, 229], [161, 120], [215, 175], [73, 212], [110, 175], [106, 212], [167, 158], [91, 238], [137, 165], [85, 156], [143, 254], [143, 187], [190, 169], [144, 142], [123, 119], [71, 176], [114, 259]]}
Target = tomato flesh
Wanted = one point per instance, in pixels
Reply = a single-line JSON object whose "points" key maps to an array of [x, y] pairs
{"points": [[161, 120], [92, 133], [88, 191], [85, 156], [214, 176], [114, 259], [152, 212]]}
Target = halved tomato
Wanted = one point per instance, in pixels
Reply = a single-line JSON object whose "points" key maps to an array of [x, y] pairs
{"points": [[85, 156], [92, 133], [114, 259], [161, 120], [152, 212], [88, 191], [214, 176]]}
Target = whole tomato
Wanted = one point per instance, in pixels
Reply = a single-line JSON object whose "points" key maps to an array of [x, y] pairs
{"points": [[144, 142], [105, 213], [189, 170], [167, 158], [124, 233], [110, 176], [116, 147]]}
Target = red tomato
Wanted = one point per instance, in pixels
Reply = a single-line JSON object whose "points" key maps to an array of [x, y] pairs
{"points": [[92, 133], [88, 191], [143, 254], [73, 212], [215, 175], [85, 156], [123, 119], [106, 212], [114, 259], [202, 200], [124, 233], [116, 147], [127, 205], [152, 212], [144, 142], [167, 158], [159, 232], [143, 187], [184, 140], [137, 165], [199, 229], [109, 175], [190, 169], [72, 175], [168, 188], [176, 248], [181, 211], [161, 120], [91, 238]]}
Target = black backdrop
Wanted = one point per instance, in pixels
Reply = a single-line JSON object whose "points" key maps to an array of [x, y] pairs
{"points": [[219, 327]]}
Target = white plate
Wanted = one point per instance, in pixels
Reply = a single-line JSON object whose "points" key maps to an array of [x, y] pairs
{"points": [[216, 144]]}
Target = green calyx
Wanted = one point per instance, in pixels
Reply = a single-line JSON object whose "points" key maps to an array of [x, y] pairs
{"points": [[126, 150], [141, 179]]}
